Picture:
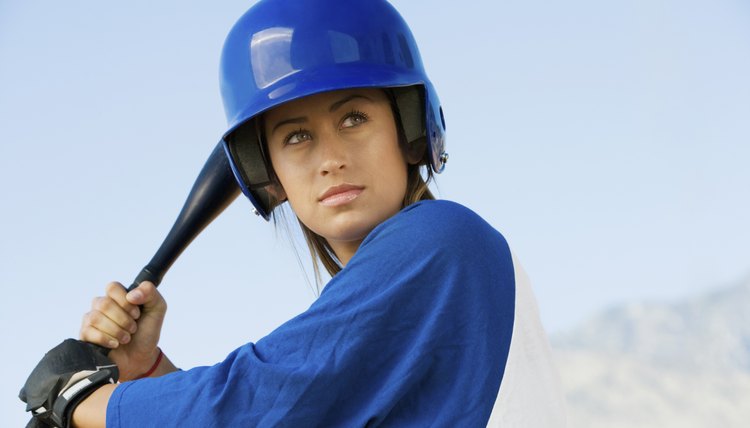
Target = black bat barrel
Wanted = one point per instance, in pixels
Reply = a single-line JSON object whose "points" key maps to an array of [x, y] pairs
{"points": [[213, 191]]}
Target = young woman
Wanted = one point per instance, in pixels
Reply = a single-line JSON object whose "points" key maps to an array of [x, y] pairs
{"points": [[427, 320]]}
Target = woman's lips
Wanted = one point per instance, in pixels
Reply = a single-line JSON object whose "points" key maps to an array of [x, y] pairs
{"points": [[340, 195]]}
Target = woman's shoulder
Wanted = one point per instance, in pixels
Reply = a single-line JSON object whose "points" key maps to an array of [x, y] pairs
{"points": [[440, 210], [439, 223], [444, 215]]}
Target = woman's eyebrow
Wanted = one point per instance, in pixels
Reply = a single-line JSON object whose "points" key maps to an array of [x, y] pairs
{"points": [[345, 100], [302, 119], [335, 106]]}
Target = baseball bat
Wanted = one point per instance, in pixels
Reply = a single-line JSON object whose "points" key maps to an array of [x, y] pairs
{"points": [[213, 191]]}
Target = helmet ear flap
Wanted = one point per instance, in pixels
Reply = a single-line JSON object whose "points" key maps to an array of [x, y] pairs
{"points": [[409, 102], [252, 168]]}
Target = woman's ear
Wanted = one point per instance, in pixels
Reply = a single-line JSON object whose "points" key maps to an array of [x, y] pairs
{"points": [[415, 150]]}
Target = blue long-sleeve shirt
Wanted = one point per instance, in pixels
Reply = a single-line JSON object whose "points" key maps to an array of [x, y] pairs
{"points": [[414, 331]]}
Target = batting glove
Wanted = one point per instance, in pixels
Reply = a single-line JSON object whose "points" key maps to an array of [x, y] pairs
{"points": [[66, 375]]}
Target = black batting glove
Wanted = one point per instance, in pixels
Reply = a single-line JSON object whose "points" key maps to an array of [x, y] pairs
{"points": [[67, 374]]}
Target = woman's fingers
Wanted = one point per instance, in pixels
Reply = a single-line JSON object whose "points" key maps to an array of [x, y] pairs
{"points": [[99, 329], [147, 295], [111, 310], [112, 319], [118, 293]]}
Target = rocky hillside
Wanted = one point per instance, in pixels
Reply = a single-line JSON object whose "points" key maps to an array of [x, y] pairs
{"points": [[681, 364]]}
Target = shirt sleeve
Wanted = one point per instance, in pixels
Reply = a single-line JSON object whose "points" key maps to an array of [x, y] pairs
{"points": [[415, 331]]}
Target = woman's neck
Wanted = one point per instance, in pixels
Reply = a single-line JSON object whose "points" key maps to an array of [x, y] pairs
{"points": [[345, 250]]}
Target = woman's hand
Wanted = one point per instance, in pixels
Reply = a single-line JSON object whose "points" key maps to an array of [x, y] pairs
{"points": [[116, 322]]}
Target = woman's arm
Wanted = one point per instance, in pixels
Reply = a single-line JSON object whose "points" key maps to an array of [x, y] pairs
{"points": [[415, 331], [129, 324], [92, 412]]}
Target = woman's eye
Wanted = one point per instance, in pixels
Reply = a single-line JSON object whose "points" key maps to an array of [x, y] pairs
{"points": [[297, 137], [353, 119]]}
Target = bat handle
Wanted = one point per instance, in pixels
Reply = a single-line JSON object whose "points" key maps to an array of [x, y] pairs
{"points": [[148, 273]]}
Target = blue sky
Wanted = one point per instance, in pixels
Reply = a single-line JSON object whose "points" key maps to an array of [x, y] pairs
{"points": [[609, 142]]}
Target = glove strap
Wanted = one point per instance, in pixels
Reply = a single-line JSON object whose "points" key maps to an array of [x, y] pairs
{"points": [[70, 398]]}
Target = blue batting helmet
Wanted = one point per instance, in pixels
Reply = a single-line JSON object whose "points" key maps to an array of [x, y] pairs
{"points": [[282, 50]]}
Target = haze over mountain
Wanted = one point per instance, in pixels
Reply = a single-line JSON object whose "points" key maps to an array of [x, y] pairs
{"points": [[680, 364]]}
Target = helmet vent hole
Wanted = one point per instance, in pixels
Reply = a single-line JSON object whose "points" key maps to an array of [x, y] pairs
{"points": [[442, 117]]}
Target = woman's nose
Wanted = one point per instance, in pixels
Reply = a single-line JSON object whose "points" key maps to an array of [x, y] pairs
{"points": [[332, 153]]}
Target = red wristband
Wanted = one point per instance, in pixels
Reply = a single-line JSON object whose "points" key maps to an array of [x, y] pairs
{"points": [[153, 368]]}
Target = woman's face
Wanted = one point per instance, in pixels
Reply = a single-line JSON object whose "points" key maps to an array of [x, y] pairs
{"points": [[339, 162]]}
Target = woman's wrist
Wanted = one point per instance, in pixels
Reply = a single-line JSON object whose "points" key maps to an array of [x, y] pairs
{"points": [[162, 365], [159, 366], [154, 367]]}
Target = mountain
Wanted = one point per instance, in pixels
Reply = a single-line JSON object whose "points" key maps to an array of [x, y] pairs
{"points": [[679, 364]]}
